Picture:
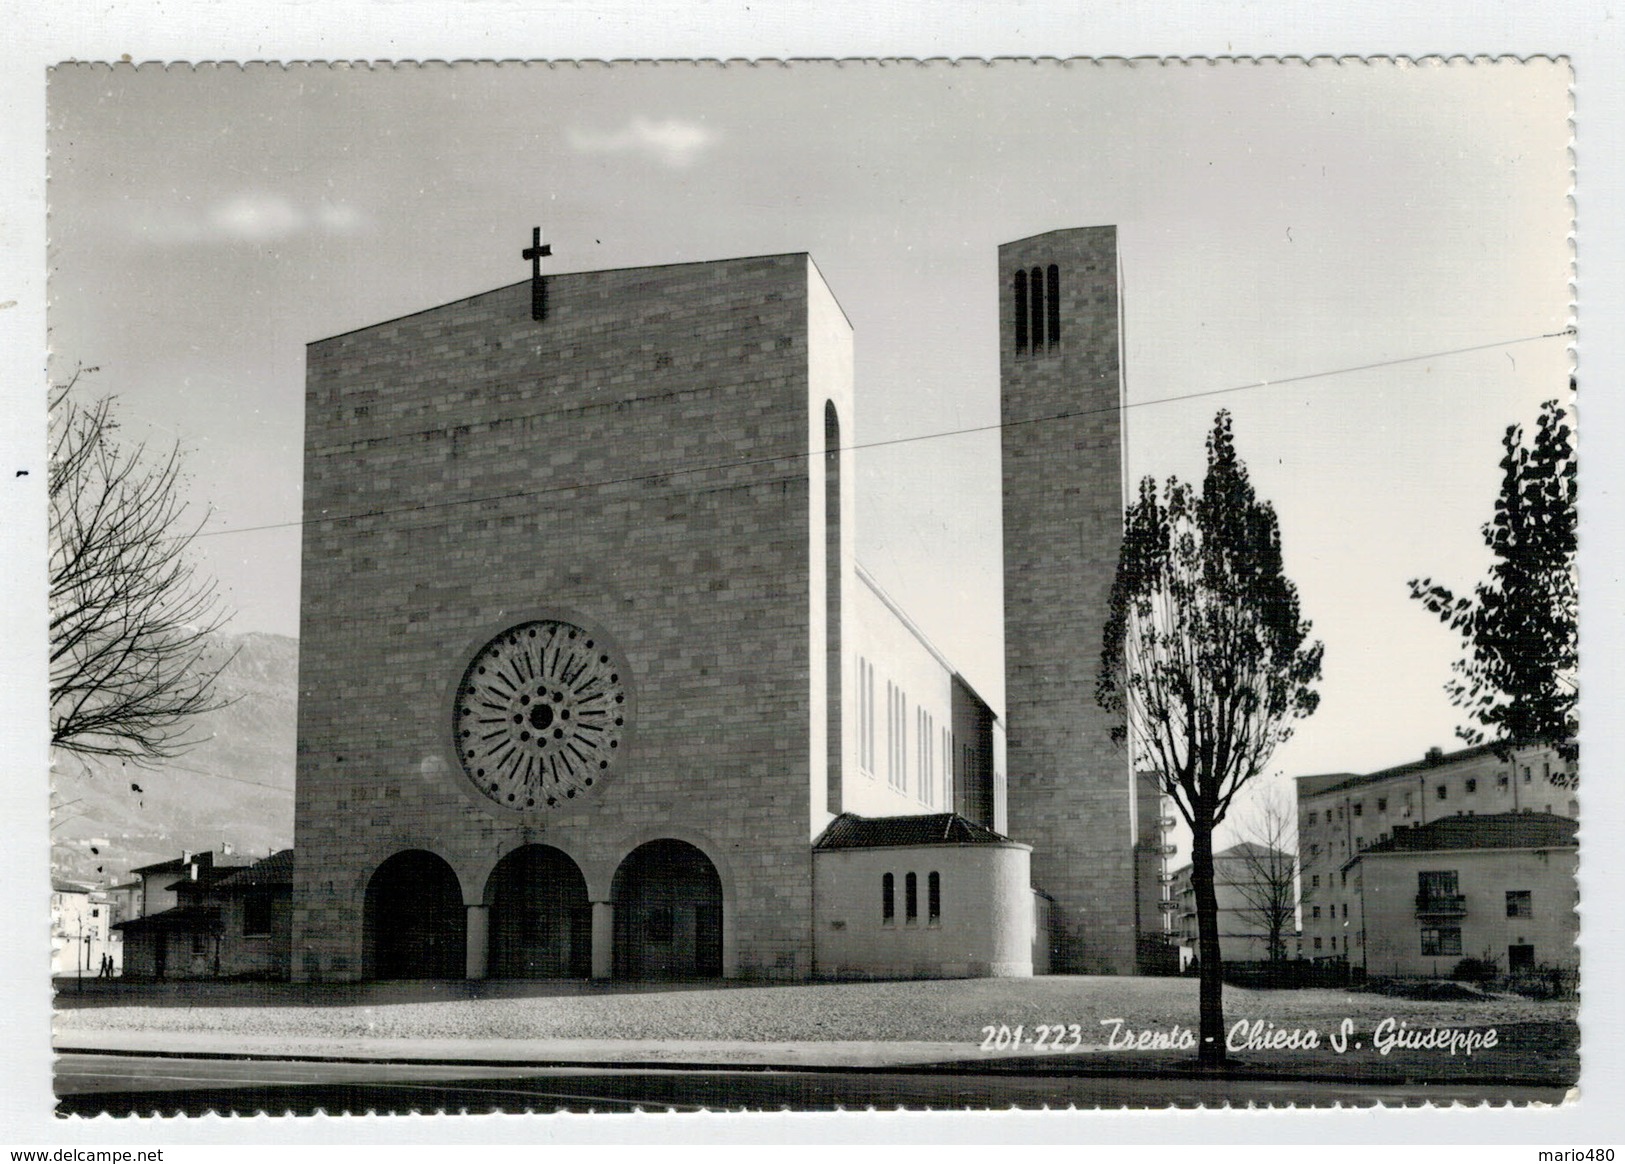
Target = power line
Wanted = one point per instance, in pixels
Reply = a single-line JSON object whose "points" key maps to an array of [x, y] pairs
{"points": [[222, 776], [880, 444]]}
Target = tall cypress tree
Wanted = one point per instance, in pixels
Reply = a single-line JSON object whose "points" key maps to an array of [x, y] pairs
{"points": [[1206, 662], [1518, 680]]}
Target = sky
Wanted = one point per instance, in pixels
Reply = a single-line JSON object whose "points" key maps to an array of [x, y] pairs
{"points": [[1358, 261]]}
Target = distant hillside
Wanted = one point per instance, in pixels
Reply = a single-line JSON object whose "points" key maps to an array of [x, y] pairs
{"points": [[235, 787]]}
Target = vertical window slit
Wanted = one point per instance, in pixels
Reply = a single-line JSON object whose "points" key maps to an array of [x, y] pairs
{"points": [[1053, 300], [1021, 311], [1037, 285]]}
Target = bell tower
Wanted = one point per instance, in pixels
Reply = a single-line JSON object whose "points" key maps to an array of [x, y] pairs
{"points": [[1069, 786]]}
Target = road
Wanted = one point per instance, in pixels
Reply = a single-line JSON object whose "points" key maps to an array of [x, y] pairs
{"points": [[88, 1084]]}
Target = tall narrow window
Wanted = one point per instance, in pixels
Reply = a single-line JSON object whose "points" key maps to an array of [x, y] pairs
{"points": [[911, 898], [869, 698], [891, 733], [1021, 311], [1053, 302], [833, 672], [888, 899], [1037, 285], [933, 898]]}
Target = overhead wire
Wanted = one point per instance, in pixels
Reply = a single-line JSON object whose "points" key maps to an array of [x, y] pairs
{"points": [[752, 462]]}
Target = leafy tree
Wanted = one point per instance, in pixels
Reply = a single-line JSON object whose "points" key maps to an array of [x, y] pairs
{"points": [[133, 655], [1519, 678], [1205, 663]]}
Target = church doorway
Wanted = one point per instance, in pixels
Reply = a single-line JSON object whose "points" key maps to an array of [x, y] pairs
{"points": [[414, 924], [668, 913], [541, 921]]}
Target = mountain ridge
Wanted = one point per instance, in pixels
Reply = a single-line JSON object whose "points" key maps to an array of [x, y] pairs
{"points": [[235, 787]]}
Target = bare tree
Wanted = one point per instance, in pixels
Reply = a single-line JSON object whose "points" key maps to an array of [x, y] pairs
{"points": [[133, 652], [1265, 869], [1207, 662]]}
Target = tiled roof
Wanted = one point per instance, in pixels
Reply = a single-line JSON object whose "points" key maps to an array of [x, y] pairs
{"points": [[1342, 780], [277, 869], [207, 877], [185, 917], [1506, 830], [850, 831]]}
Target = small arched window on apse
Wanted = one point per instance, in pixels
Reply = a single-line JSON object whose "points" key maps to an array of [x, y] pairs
{"points": [[911, 898], [888, 899], [1036, 287], [933, 899], [1053, 301], [1021, 311]]}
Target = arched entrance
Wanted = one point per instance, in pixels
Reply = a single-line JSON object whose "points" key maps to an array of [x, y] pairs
{"points": [[414, 924], [541, 922], [668, 913]]}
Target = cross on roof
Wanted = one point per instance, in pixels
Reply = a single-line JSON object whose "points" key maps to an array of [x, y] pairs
{"points": [[536, 252]]}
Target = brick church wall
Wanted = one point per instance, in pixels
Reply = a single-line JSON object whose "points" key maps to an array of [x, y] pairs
{"points": [[636, 463], [1069, 787]]}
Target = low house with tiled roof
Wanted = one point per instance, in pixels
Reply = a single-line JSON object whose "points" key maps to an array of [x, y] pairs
{"points": [[928, 896], [1500, 888], [225, 920]]}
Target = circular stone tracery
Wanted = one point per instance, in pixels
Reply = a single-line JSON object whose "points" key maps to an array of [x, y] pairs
{"points": [[540, 715]]}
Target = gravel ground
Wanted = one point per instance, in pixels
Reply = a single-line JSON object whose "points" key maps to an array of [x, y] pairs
{"points": [[936, 1011]]}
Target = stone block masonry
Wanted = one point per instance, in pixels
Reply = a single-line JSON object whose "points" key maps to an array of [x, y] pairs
{"points": [[1069, 787], [636, 463]]}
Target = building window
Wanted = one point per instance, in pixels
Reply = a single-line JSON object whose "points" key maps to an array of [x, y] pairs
{"points": [[1035, 288], [933, 899], [1317, 943], [1502, 780], [1345, 911], [888, 899], [1317, 911], [1520, 903], [256, 914], [1314, 882], [1382, 804], [1526, 773], [1359, 808], [1314, 819], [1472, 786], [1520, 957], [200, 944], [1314, 850], [1436, 883], [1359, 842], [1021, 311], [1438, 941], [1442, 792], [911, 898], [1053, 300], [926, 735]]}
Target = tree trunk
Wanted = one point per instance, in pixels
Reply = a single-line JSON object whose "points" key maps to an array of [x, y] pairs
{"points": [[1210, 1031]]}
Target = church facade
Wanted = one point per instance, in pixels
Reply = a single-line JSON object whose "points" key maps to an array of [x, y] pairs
{"points": [[592, 685]]}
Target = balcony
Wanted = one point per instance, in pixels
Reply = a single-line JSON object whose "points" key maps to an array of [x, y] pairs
{"points": [[1441, 905]]}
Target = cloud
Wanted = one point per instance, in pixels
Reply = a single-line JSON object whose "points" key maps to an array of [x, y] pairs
{"points": [[671, 142], [250, 217]]}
